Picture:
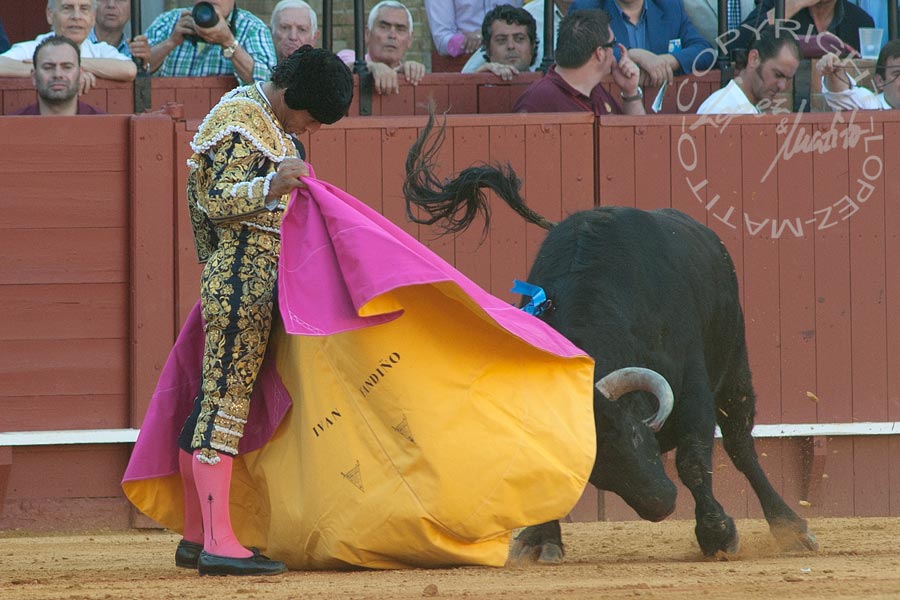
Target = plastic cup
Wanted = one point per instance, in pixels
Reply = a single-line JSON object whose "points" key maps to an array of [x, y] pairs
{"points": [[870, 41]]}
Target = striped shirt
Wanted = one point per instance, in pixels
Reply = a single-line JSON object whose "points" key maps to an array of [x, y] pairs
{"points": [[202, 59]]}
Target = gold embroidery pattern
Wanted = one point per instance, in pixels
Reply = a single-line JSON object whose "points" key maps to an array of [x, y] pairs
{"points": [[236, 150], [237, 290]]}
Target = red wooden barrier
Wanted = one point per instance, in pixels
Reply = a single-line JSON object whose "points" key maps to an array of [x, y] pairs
{"points": [[84, 285], [454, 93], [97, 282], [196, 94]]}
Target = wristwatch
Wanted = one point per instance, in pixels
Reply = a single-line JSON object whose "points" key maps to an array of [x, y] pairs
{"points": [[228, 51], [638, 95]]}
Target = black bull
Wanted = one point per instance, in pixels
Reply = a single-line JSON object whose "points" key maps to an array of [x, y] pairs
{"points": [[635, 288]]}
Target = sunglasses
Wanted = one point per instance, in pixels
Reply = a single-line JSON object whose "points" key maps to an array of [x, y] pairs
{"points": [[610, 44]]}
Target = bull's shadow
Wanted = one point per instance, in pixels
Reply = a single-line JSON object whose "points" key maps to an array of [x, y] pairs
{"points": [[634, 288]]}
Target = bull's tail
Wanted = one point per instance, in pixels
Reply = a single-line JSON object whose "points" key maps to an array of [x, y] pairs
{"points": [[455, 203]]}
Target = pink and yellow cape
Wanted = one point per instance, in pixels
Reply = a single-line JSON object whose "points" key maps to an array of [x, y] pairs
{"points": [[403, 417]]}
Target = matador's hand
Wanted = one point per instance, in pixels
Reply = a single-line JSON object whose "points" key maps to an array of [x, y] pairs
{"points": [[288, 177]]}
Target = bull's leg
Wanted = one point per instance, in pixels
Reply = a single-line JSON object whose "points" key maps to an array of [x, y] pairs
{"points": [[715, 530], [538, 543], [735, 416], [696, 426]]}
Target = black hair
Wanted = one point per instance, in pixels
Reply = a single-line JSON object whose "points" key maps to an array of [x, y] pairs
{"points": [[771, 40], [581, 32], [889, 50], [317, 81], [55, 40], [513, 16], [768, 44]]}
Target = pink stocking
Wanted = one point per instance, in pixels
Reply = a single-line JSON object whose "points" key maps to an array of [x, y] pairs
{"points": [[213, 486], [193, 518]]}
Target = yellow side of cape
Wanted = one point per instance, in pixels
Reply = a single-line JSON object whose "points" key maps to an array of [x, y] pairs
{"points": [[421, 442]]}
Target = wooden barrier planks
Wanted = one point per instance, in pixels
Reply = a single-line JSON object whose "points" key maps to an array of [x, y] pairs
{"points": [[454, 93], [152, 309], [819, 276], [65, 240]]}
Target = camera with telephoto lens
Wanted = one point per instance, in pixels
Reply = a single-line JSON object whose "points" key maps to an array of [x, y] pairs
{"points": [[205, 16]]}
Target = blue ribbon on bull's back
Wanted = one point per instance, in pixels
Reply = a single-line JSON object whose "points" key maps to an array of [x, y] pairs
{"points": [[538, 303]]}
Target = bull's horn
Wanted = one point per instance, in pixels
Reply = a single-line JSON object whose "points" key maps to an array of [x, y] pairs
{"points": [[621, 381]]}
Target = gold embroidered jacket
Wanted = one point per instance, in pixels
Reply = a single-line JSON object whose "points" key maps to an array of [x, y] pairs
{"points": [[236, 152]]}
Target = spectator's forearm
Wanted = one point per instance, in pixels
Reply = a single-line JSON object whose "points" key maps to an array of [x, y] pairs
{"points": [[243, 65], [110, 68], [14, 68], [159, 52], [836, 83]]}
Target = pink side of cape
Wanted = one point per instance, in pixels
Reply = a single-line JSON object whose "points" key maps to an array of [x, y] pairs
{"points": [[337, 254]]}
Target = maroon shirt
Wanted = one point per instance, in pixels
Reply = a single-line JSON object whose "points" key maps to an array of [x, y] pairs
{"points": [[551, 93], [83, 109]]}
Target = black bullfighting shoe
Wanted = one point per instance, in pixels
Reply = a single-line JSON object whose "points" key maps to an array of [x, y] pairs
{"points": [[187, 554], [210, 564]]}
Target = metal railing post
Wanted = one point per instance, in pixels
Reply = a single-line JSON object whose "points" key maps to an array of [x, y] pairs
{"points": [[549, 33], [359, 66], [142, 92]]}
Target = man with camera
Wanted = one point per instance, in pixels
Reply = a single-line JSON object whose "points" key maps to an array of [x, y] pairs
{"points": [[215, 38]]}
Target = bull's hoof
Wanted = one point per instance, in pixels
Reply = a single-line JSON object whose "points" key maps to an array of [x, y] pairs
{"points": [[794, 537], [548, 553], [718, 538]]}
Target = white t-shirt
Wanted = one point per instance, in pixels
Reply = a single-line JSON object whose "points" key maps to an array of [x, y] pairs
{"points": [[730, 100], [536, 10], [24, 51], [856, 97]]}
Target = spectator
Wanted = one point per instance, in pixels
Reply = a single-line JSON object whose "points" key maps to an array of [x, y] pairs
{"points": [[659, 36], [704, 15], [4, 41], [388, 37], [238, 44], [771, 63], [57, 79], [536, 10], [109, 27], [840, 18], [585, 58], [842, 93], [456, 24], [72, 19], [293, 24], [510, 42]]}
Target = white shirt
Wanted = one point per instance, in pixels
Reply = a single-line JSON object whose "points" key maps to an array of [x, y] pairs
{"points": [[855, 97], [730, 100], [536, 10], [24, 51]]}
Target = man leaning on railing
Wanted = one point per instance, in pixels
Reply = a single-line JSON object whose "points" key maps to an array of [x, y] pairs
{"points": [[841, 91], [72, 19]]}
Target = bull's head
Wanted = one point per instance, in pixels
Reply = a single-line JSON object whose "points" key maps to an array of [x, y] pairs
{"points": [[628, 459]]}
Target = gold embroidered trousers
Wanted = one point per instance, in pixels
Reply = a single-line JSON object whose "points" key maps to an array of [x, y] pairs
{"points": [[237, 292]]}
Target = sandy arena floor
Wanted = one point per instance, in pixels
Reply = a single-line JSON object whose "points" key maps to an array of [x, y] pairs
{"points": [[859, 558]]}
